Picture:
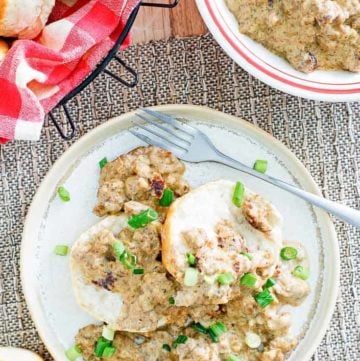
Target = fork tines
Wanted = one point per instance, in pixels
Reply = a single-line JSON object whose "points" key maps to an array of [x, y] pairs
{"points": [[163, 130]]}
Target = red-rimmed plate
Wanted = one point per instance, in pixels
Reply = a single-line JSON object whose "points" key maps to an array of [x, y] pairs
{"points": [[332, 86]]}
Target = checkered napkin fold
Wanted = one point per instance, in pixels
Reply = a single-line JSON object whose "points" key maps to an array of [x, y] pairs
{"points": [[37, 74]]}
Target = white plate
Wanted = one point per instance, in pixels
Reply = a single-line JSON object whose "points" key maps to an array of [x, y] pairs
{"points": [[46, 278], [333, 86], [17, 354]]}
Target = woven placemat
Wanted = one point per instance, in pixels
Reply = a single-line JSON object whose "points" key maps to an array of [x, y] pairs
{"points": [[325, 137]]}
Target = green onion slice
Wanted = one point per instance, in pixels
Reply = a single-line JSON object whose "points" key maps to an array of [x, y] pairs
{"points": [[109, 351], [100, 346], [63, 194], [103, 162], [264, 298], [261, 165], [128, 259], [288, 253], [252, 339], [61, 250], [143, 218], [225, 278], [118, 248], [138, 271], [73, 352], [248, 279], [191, 260], [191, 277], [179, 340], [167, 198], [247, 255], [301, 272], [238, 195], [269, 283], [108, 333], [166, 347], [218, 328], [197, 326], [214, 331], [213, 337], [171, 300]]}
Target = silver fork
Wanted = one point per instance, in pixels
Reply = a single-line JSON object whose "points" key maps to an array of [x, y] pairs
{"points": [[192, 145]]}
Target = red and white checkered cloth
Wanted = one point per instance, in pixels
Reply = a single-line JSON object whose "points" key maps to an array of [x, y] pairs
{"points": [[37, 74]]}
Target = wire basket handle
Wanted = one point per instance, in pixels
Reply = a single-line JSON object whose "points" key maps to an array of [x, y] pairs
{"points": [[161, 5], [70, 121], [132, 72], [102, 68]]}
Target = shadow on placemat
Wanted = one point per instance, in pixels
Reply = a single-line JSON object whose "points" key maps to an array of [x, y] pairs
{"points": [[325, 137]]}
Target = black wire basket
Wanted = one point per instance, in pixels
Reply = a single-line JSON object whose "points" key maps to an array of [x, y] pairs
{"points": [[102, 68]]}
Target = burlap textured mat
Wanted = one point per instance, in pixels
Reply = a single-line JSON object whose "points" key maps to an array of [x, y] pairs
{"points": [[326, 137]]}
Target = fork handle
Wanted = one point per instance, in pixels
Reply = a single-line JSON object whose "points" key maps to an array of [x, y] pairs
{"points": [[347, 214]]}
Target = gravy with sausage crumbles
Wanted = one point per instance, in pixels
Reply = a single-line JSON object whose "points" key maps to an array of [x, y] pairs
{"points": [[309, 34], [175, 322]]}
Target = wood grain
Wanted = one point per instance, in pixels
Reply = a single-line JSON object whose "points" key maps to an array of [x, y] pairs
{"points": [[156, 23]]}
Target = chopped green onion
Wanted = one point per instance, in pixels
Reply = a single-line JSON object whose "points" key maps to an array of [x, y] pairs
{"points": [[171, 300], [108, 333], [179, 340], [269, 283], [301, 272], [191, 260], [261, 165], [247, 255], [252, 339], [248, 279], [213, 331], [63, 194], [166, 347], [138, 271], [225, 278], [128, 259], [197, 326], [238, 195], [213, 337], [264, 298], [233, 357], [109, 351], [100, 346], [73, 352], [143, 218], [191, 277], [103, 162], [61, 250], [167, 198], [218, 328], [288, 253], [118, 248]]}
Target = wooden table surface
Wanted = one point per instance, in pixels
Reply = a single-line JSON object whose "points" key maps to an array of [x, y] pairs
{"points": [[157, 23]]}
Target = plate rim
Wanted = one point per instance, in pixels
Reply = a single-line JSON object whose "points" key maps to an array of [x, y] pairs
{"points": [[93, 137], [253, 68], [25, 352]]}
